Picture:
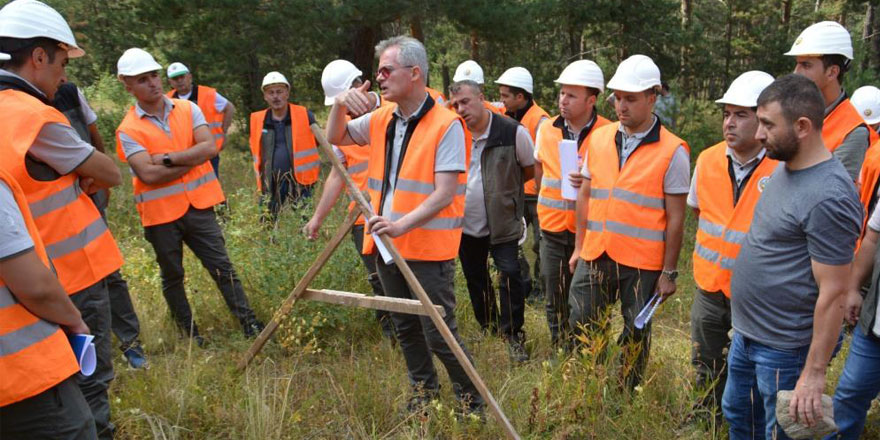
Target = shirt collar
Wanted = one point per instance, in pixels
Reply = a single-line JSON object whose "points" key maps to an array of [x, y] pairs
{"points": [[485, 134], [16, 76], [751, 161], [640, 135], [836, 102], [169, 104], [418, 110]]}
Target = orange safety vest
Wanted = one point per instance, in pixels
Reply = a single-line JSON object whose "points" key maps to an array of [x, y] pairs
{"points": [[869, 177], [34, 353], [556, 214], [438, 239], [77, 239], [530, 121], [206, 99], [627, 216], [169, 201], [438, 97], [304, 148], [722, 226], [356, 160], [840, 122]]}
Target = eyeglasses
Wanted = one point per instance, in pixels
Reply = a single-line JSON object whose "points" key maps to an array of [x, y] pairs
{"points": [[386, 71]]}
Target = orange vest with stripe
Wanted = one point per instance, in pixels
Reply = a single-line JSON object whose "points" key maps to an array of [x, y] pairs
{"points": [[868, 179], [627, 217], [206, 99], [34, 354], [356, 160], [304, 149], [530, 121], [722, 226], [76, 237], [439, 237], [167, 202], [556, 214], [437, 96], [840, 122]]}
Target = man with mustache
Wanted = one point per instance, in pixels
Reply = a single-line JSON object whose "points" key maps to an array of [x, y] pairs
{"points": [[790, 276]]}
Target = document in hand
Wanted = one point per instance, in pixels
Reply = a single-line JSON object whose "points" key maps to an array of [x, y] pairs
{"points": [[568, 163], [648, 311], [84, 350]]}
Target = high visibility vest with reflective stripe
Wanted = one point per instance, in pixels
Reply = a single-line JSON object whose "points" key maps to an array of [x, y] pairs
{"points": [[76, 237], [34, 354], [556, 214], [530, 121], [868, 179], [207, 101], [167, 202], [437, 96], [304, 149], [627, 208], [840, 122], [438, 239], [722, 228], [356, 159]]}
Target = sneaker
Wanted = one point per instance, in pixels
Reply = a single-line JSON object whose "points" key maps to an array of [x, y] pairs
{"points": [[252, 329], [517, 351], [135, 356]]}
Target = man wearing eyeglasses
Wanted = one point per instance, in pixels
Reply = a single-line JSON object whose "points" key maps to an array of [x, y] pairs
{"points": [[416, 179]]}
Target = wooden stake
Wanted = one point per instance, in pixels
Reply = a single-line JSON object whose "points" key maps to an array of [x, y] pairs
{"points": [[301, 287], [398, 305]]}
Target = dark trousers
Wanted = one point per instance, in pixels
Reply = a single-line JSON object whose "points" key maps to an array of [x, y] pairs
{"points": [[417, 335], [596, 286], [556, 249], [285, 189], [535, 279], [474, 256], [59, 413], [215, 162], [93, 303], [383, 316], [710, 324], [197, 228], [123, 319]]}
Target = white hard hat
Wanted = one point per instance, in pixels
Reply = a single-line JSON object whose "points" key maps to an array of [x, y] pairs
{"points": [[274, 78], [177, 69], [516, 77], [583, 73], [746, 88], [823, 38], [635, 74], [336, 78], [866, 100], [23, 19], [468, 70], [136, 61]]}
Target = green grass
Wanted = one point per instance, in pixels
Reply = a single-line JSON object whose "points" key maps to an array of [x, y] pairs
{"points": [[329, 374]]}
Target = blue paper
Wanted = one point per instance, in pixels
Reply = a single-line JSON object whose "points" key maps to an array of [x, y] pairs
{"points": [[84, 350]]}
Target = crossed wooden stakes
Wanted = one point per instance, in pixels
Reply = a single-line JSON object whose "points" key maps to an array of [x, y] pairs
{"points": [[422, 306]]}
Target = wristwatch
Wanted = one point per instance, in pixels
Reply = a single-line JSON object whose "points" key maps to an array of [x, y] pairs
{"points": [[166, 160], [670, 274]]}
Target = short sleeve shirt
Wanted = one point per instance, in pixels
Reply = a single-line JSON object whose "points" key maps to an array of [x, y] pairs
{"points": [[740, 172], [14, 236]]}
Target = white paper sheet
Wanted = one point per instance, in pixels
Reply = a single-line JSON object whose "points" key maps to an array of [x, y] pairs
{"points": [[568, 160]]}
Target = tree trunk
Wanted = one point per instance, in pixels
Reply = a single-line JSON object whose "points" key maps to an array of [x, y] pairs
{"points": [[728, 43], [818, 5], [866, 34], [362, 46], [475, 46], [415, 28], [686, 12], [786, 15], [444, 72], [875, 42]]}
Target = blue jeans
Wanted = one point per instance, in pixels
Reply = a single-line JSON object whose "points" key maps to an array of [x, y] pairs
{"points": [[755, 372], [859, 384]]}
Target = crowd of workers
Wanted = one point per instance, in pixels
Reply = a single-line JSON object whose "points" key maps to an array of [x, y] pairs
{"points": [[786, 243]]}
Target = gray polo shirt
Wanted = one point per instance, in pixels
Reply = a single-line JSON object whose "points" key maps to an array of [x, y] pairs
{"points": [[807, 215], [57, 145], [851, 151], [740, 171], [449, 157], [14, 236], [476, 222], [131, 147]]}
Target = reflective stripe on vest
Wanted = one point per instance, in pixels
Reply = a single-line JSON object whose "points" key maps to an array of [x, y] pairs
{"points": [[34, 353], [167, 202], [722, 228], [79, 241], [438, 239], [626, 213], [556, 214], [357, 168], [64, 213]]}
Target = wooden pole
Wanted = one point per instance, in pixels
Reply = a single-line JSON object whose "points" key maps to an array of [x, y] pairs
{"points": [[301, 287], [390, 304], [416, 287]]}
